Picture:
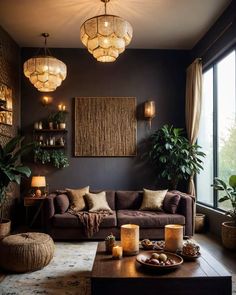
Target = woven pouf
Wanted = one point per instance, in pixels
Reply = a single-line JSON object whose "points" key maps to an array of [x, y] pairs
{"points": [[26, 252]]}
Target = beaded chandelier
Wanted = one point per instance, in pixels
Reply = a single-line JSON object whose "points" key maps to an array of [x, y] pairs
{"points": [[106, 36], [45, 72]]}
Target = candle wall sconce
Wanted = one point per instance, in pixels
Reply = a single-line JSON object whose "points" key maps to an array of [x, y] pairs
{"points": [[149, 111], [46, 100]]}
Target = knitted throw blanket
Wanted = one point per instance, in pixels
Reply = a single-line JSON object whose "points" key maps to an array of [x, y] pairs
{"points": [[90, 220]]}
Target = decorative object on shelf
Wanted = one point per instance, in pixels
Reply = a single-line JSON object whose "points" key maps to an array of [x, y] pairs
{"points": [[110, 242], [117, 252], [38, 182], [106, 36], [11, 170], [6, 109], [149, 111], [105, 127], [228, 193], [60, 118], [172, 156], [44, 71], [130, 239], [173, 237]]}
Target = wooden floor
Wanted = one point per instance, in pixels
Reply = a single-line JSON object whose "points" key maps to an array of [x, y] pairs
{"points": [[214, 246]]}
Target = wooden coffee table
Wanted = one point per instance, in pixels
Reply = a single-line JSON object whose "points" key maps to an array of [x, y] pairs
{"points": [[203, 276]]}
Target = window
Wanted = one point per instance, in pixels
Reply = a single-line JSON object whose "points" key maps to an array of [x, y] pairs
{"points": [[217, 134]]}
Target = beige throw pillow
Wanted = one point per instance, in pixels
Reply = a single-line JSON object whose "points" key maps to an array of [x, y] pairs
{"points": [[76, 197], [153, 200], [97, 202]]}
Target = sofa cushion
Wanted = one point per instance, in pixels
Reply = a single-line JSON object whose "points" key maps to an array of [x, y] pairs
{"points": [[76, 197], [61, 203], [68, 220], [153, 200], [171, 202], [148, 219], [128, 199], [110, 196], [97, 202]]}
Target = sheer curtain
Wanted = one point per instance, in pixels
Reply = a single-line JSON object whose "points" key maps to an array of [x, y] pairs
{"points": [[193, 102]]}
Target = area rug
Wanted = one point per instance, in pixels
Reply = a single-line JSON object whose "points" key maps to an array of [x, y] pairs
{"points": [[67, 274]]}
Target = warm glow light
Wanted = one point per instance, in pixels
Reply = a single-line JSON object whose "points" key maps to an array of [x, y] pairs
{"points": [[106, 36], [38, 181], [173, 237], [130, 239], [117, 252], [45, 72]]}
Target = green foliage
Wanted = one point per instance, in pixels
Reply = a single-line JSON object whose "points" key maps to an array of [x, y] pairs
{"points": [[229, 193], [60, 116], [11, 170], [55, 158], [172, 156]]}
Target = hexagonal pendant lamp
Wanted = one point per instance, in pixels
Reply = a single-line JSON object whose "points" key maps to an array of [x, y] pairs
{"points": [[106, 36], [44, 71]]}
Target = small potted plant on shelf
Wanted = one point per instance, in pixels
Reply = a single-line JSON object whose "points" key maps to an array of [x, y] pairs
{"points": [[51, 120], [60, 118], [11, 170], [228, 229]]}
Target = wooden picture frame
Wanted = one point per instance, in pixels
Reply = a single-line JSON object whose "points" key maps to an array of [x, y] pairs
{"points": [[105, 127]]}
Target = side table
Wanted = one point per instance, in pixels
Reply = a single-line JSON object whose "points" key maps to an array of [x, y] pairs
{"points": [[33, 202]]}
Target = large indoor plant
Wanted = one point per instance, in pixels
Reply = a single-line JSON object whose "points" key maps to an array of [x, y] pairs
{"points": [[11, 170], [228, 229], [172, 156]]}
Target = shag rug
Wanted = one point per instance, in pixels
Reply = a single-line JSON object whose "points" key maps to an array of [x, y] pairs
{"points": [[67, 274]]}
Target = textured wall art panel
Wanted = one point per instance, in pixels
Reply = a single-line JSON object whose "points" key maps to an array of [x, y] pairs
{"points": [[105, 126]]}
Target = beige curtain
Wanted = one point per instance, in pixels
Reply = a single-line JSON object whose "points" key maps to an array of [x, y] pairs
{"points": [[193, 102]]}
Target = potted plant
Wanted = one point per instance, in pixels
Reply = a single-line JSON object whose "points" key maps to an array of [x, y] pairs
{"points": [[172, 156], [51, 120], [11, 170], [60, 117], [228, 228]]}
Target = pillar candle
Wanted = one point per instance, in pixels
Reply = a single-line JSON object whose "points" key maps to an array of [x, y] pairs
{"points": [[173, 237], [130, 239], [117, 252]]}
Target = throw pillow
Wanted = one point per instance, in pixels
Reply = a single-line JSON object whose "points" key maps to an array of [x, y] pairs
{"points": [[97, 202], [153, 200], [61, 203], [171, 203], [76, 197]]}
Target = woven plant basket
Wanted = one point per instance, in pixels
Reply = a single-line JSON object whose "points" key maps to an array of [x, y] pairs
{"points": [[228, 234], [26, 252], [5, 228]]}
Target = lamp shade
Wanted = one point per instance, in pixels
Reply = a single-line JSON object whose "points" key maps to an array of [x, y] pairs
{"points": [[149, 109], [38, 181]]}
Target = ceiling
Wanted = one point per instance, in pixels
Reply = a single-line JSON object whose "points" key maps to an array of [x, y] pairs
{"points": [[163, 24]]}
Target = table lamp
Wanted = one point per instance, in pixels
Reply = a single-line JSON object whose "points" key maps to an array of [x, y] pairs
{"points": [[38, 181]]}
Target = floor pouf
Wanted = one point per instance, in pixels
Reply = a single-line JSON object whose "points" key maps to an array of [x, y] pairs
{"points": [[26, 252]]}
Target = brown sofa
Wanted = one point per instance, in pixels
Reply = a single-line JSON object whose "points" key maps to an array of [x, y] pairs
{"points": [[178, 208]]}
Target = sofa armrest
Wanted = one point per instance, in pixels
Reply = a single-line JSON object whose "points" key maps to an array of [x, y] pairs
{"points": [[48, 210], [187, 208]]}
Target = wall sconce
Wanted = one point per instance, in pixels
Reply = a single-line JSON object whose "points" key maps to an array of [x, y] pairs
{"points": [[46, 100], [149, 111], [37, 182]]}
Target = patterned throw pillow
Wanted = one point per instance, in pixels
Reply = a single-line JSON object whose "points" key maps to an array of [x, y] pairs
{"points": [[97, 202], [76, 197], [153, 200]]}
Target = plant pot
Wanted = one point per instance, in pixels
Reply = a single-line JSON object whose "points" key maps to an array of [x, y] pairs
{"points": [[228, 234], [50, 125], [62, 125], [199, 223], [5, 228]]}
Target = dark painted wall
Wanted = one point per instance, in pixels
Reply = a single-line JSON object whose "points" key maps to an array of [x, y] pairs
{"points": [[10, 75], [144, 74]]}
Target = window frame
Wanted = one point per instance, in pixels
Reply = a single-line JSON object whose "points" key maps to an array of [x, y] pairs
{"points": [[207, 67]]}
